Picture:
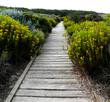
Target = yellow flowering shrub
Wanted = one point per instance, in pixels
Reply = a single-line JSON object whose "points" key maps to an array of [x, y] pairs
{"points": [[16, 39], [88, 43]]}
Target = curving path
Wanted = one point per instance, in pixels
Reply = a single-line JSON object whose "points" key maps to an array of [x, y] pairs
{"points": [[51, 78]]}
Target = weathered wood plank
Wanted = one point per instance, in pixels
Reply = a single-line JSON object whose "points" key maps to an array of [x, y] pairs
{"points": [[49, 69], [36, 99], [52, 60], [50, 81], [55, 72], [51, 84], [52, 93], [56, 58], [58, 63], [52, 66], [64, 74]]}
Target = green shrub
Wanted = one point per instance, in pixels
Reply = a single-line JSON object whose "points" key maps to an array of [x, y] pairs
{"points": [[16, 39], [52, 21], [57, 19], [68, 23], [44, 25], [40, 35], [73, 28], [88, 45]]}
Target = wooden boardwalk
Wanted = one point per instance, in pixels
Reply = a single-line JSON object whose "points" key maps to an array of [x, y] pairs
{"points": [[51, 77]]}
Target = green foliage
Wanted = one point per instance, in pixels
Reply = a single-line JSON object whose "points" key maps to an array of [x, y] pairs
{"points": [[88, 43], [76, 16], [41, 22], [57, 18], [40, 35], [67, 22], [16, 39], [52, 21], [15, 36], [45, 25], [32, 20]]}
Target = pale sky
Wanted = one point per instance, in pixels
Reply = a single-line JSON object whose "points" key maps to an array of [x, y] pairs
{"points": [[91, 5]]}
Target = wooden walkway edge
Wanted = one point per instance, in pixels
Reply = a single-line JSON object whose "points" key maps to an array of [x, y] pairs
{"points": [[18, 83]]}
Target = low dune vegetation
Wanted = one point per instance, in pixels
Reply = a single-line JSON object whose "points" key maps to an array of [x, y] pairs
{"points": [[89, 48]]}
